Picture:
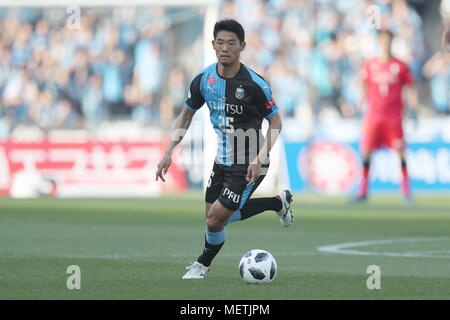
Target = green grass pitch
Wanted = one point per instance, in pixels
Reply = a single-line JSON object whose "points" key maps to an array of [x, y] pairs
{"points": [[138, 249]]}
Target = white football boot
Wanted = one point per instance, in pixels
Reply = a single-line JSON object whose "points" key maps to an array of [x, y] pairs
{"points": [[285, 214], [196, 271]]}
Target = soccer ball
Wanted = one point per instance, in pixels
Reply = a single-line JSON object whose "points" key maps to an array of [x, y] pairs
{"points": [[258, 266]]}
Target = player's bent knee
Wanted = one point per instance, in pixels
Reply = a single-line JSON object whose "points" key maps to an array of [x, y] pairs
{"points": [[215, 223], [207, 208]]}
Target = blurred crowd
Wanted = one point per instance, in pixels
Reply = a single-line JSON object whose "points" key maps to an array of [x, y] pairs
{"points": [[137, 62], [312, 51], [61, 70]]}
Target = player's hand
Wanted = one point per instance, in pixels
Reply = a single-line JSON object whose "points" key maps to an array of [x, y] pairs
{"points": [[163, 166], [253, 171], [413, 116]]}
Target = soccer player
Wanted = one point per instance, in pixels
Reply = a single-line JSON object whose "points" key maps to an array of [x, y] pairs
{"points": [[238, 100], [383, 78]]}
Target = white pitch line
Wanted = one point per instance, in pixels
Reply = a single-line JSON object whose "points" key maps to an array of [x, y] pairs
{"points": [[342, 248]]}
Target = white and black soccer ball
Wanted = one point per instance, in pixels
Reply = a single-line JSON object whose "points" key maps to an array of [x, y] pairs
{"points": [[258, 266]]}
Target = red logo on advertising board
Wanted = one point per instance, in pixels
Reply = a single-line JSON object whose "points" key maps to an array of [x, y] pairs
{"points": [[270, 104], [330, 168], [211, 80]]}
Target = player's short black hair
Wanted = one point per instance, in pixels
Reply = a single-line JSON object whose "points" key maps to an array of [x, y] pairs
{"points": [[230, 25], [385, 31]]}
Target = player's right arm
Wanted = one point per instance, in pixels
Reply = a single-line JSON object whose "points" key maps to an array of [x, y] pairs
{"points": [[363, 98], [411, 91], [193, 102], [181, 126], [364, 80]]}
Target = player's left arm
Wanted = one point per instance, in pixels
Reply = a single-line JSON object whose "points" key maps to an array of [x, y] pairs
{"points": [[275, 126], [268, 109], [412, 95], [413, 98]]}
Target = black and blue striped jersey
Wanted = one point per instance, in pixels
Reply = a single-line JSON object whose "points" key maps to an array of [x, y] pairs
{"points": [[237, 108]]}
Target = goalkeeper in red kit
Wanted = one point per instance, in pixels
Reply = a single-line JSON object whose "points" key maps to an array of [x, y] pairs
{"points": [[383, 80]]}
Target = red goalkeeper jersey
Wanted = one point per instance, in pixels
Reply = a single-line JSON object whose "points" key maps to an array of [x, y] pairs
{"points": [[384, 81]]}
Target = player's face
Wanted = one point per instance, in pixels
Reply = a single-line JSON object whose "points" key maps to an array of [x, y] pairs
{"points": [[385, 42], [228, 47]]}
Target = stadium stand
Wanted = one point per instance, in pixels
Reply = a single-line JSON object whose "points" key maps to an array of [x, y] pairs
{"points": [[125, 62]]}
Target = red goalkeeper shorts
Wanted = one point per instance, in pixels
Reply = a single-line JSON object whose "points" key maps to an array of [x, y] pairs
{"points": [[378, 133]]}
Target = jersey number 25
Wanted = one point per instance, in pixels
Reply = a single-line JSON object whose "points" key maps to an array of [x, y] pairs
{"points": [[226, 124]]}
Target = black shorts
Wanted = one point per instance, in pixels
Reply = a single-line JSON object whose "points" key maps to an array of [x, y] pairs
{"points": [[228, 185]]}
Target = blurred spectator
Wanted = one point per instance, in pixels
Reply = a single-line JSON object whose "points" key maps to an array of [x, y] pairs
{"points": [[142, 105], [65, 115], [92, 103], [148, 65], [177, 89], [113, 82]]}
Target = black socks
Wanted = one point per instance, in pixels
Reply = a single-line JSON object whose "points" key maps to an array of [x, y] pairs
{"points": [[209, 252], [258, 205], [252, 207]]}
